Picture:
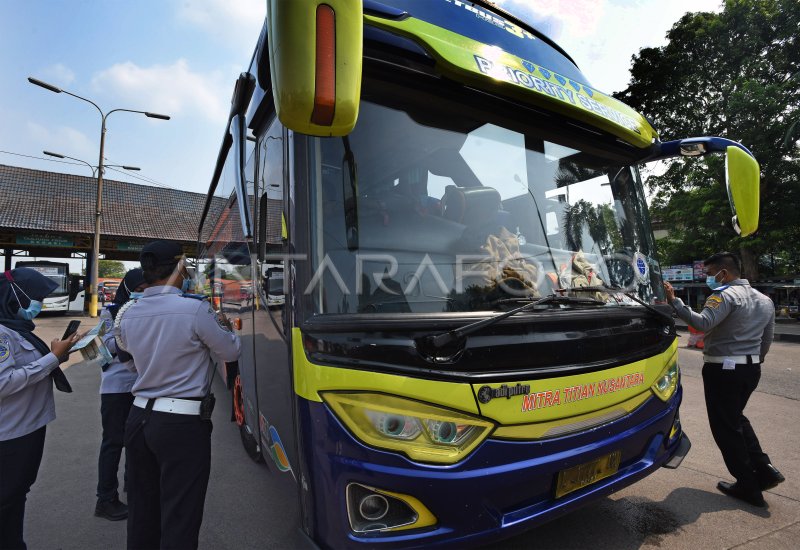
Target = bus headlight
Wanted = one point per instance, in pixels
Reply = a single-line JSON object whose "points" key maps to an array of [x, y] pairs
{"points": [[423, 432], [667, 381]]}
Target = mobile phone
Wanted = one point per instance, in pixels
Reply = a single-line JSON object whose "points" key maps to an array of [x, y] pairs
{"points": [[72, 328]]}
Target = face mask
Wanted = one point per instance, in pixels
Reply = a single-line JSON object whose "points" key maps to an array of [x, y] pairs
{"points": [[188, 285], [136, 295], [711, 281], [31, 311]]}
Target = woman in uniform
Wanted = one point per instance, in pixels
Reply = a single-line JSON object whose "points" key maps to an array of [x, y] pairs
{"points": [[115, 402], [28, 369]]}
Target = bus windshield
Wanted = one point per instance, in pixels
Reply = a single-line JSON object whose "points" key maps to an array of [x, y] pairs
{"points": [[408, 215]]}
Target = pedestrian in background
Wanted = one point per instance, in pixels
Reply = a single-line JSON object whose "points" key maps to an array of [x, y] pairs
{"points": [[116, 399], [171, 336], [738, 322], [28, 369]]}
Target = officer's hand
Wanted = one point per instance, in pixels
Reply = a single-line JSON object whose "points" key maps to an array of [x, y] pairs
{"points": [[60, 348], [670, 292], [224, 320]]}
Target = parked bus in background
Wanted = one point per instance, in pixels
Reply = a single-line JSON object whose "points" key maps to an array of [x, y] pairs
{"points": [[107, 288], [474, 338], [69, 295]]}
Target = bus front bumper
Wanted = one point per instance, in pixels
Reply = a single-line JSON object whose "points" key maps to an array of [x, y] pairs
{"points": [[503, 488]]}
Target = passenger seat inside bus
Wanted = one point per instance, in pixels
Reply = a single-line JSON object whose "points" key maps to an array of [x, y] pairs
{"points": [[479, 209]]}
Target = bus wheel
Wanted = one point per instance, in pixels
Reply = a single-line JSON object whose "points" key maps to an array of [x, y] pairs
{"points": [[249, 442]]}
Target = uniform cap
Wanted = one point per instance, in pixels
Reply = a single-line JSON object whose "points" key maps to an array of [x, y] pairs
{"points": [[159, 253]]}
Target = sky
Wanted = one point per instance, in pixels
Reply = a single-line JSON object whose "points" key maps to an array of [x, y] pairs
{"points": [[182, 57]]}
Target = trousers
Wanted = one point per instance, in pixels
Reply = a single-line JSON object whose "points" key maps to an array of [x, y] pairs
{"points": [[114, 409], [727, 393], [169, 462], [19, 465]]}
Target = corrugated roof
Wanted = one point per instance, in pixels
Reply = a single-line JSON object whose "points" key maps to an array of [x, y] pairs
{"points": [[65, 203]]}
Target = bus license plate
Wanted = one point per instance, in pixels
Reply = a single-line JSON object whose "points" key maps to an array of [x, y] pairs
{"points": [[580, 476]]}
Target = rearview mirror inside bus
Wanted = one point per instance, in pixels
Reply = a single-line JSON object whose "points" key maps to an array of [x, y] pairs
{"points": [[316, 76]]}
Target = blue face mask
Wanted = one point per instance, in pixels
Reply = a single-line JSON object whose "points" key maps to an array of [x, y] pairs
{"points": [[711, 281], [136, 295], [188, 285], [34, 307], [31, 311]]}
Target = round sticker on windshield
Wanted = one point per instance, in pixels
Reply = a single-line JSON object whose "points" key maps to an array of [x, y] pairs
{"points": [[641, 268]]}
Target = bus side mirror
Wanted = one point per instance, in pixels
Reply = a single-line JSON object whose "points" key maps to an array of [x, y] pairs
{"points": [[741, 174], [315, 60], [742, 180]]}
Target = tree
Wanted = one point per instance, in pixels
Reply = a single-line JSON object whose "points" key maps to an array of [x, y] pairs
{"points": [[113, 269], [733, 74]]}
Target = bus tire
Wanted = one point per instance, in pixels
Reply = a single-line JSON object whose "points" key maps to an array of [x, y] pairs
{"points": [[250, 444]]}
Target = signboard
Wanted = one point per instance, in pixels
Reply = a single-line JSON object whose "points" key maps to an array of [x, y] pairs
{"points": [[48, 270], [45, 240], [129, 246], [678, 273], [699, 274]]}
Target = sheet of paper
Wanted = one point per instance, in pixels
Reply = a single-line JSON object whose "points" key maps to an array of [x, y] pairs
{"points": [[83, 342]]}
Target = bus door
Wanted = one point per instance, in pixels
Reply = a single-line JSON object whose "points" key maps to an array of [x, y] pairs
{"points": [[239, 305], [273, 367], [77, 293]]}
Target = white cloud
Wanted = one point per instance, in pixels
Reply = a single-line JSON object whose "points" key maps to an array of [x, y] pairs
{"points": [[581, 17], [602, 35], [236, 23], [64, 140], [173, 90], [58, 74]]}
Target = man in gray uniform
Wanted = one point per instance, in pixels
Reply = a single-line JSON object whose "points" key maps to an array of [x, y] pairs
{"points": [[171, 337], [738, 322]]}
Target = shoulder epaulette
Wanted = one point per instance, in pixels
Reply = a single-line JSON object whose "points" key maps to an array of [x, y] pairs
{"points": [[200, 297]]}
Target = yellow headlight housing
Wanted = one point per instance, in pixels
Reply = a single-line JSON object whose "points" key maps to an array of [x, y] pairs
{"points": [[423, 432], [667, 381]]}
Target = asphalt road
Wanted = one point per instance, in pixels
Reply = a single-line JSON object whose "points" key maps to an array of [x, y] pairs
{"points": [[671, 509]]}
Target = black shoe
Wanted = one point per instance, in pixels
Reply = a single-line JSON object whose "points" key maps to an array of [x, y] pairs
{"points": [[733, 490], [112, 510], [769, 477]]}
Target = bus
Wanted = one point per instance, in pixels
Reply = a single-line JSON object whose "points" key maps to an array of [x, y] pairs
{"points": [[68, 296], [474, 337]]}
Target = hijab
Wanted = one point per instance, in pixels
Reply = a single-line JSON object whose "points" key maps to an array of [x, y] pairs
{"points": [[17, 288]]}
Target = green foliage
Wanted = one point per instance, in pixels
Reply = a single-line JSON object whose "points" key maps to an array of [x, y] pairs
{"points": [[735, 74], [110, 269]]}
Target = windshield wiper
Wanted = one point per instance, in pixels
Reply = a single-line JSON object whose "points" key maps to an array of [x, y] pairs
{"points": [[440, 341], [629, 294]]}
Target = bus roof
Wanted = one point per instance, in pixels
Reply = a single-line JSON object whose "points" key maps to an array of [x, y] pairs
{"points": [[485, 47], [481, 45]]}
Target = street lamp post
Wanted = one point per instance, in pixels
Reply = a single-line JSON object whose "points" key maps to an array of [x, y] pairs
{"points": [[99, 204], [91, 167]]}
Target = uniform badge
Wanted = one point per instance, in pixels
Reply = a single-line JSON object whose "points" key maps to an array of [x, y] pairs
{"points": [[713, 301], [5, 349]]}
